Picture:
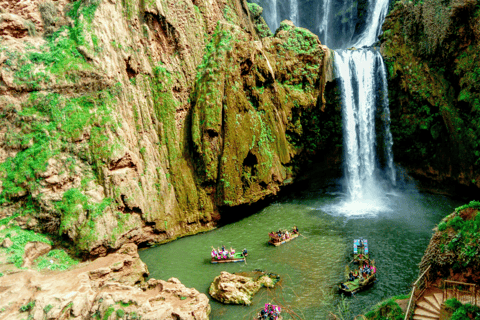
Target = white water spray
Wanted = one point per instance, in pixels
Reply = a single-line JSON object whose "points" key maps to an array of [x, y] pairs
{"points": [[323, 28], [294, 12]]}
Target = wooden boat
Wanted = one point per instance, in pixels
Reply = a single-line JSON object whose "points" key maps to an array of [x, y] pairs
{"points": [[238, 257], [276, 241], [269, 317], [360, 251], [359, 284], [259, 317]]}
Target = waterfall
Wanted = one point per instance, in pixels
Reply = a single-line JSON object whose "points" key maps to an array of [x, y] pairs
{"points": [[294, 11], [374, 21], [361, 74], [386, 123], [362, 78], [323, 27]]}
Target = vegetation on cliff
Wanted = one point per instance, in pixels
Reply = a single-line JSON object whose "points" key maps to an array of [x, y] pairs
{"points": [[453, 251], [115, 130], [429, 47]]}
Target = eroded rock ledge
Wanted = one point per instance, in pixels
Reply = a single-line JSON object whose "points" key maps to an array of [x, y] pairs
{"points": [[106, 288]]}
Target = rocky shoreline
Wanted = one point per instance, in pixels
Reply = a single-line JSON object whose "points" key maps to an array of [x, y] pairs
{"points": [[109, 287]]}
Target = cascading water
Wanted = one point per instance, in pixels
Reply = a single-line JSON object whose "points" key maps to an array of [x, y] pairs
{"points": [[362, 74], [294, 11], [362, 78]]}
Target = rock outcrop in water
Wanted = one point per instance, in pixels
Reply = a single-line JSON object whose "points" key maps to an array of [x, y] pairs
{"points": [[235, 289], [110, 287], [430, 48], [141, 121]]}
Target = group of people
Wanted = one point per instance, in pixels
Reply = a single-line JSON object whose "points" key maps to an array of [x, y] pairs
{"points": [[364, 271], [282, 235], [225, 254], [270, 312]]}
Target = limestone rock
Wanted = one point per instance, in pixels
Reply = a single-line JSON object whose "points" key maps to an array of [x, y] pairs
{"points": [[235, 289], [7, 243], [33, 250], [97, 288]]}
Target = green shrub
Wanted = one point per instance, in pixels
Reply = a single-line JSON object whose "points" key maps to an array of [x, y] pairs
{"points": [[120, 313], [388, 309], [60, 260], [47, 308], [456, 223], [473, 204], [20, 238], [442, 226], [27, 307]]}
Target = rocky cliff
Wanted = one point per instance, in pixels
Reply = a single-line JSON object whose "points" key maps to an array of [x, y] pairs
{"points": [[141, 121], [430, 48], [453, 251], [110, 287]]}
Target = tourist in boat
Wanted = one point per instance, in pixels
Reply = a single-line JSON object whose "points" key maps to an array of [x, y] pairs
{"points": [[287, 235], [214, 252], [263, 314], [344, 286], [350, 276], [374, 270], [245, 252], [355, 274], [223, 248], [295, 230], [232, 252]]}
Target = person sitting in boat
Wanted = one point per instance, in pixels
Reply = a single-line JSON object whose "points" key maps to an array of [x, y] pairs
{"points": [[263, 314], [355, 274], [287, 235], [350, 276], [232, 252], [295, 229], [279, 233], [214, 252], [344, 286], [374, 270], [245, 252], [223, 247]]}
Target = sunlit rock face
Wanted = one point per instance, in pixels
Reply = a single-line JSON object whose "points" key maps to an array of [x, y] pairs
{"points": [[140, 121]]}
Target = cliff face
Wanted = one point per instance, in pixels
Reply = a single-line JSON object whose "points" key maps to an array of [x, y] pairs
{"points": [[430, 48], [137, 121]]}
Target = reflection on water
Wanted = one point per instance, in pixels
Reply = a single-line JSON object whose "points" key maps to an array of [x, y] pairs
{"points": [[311, 265]]}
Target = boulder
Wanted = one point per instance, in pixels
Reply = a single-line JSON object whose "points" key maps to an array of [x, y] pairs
{"points": [[33, 250], [235, 289], [7, 243]]}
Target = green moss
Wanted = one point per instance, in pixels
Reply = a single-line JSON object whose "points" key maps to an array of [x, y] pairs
{"points": [[27, 307], [388, 309], [108, 313], [464, 243], [461, 311], [20, 238], [56, 259], [55, 121]]}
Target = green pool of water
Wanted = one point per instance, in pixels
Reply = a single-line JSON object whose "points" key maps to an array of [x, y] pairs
{"points": [[312, 265]]}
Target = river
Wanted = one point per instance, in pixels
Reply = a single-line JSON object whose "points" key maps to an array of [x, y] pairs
{"points": [[310, 266]]}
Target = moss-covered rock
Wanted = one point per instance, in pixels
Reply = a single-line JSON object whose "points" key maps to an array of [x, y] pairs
{"points": [[453, 251], [429, 48], [136, 121], [248, 102]]}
